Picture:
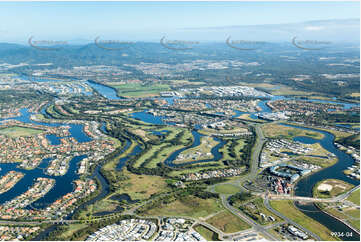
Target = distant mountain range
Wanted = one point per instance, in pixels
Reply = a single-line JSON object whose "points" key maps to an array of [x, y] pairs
{"points": [[336, 30], [342, 33]]}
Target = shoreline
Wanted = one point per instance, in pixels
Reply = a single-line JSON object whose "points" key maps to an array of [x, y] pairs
{"points": [[340, 220]]}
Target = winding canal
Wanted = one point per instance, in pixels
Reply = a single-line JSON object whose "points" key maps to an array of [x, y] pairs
{"points": [[305, 186], [64, 184]]}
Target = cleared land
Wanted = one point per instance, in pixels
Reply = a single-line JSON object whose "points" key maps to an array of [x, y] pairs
{"points": [[283, 132], [189, 206], [324, 160], [317, 161], [278, 89], [141, 186], [16, 131], [139, 90], [337, 188], [226, 189], [227, 222]]}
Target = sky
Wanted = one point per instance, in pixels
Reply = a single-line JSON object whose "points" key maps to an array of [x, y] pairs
{"points": [[148, 20]]}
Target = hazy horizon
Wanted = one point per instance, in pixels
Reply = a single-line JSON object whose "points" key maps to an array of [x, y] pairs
{"points": [[82, 22]]}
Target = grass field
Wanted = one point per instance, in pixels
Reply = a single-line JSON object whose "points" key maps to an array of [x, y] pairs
{"points": [[311, 157], [226, 189], [141, 186], [188, 206], [164, 149], [162, 156], [16, 131], [317, 149], [278, 89], [288, 209], [284, 132], [338, 134], [149, 153], [237, 149], [209, 131], [70, 230], [227, 222], [103, 205], [338, 187], [317, 161], [355, 197], [353, 217], [206, 233], [139, 90]]}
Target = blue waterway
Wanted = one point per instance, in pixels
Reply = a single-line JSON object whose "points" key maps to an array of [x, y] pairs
{"points": [[54, 140], [305, 185], [105, 91], [76, 130], [122, 161], [63, 184], [345, 105], [148, 118]]}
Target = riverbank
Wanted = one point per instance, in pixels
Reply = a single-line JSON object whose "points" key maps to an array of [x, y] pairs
{"points": [[292, 212]]}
